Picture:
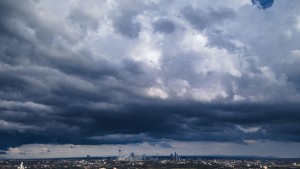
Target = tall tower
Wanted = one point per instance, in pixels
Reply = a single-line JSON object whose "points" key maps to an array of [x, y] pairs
{"points": [[21, 166], [119, 152]]}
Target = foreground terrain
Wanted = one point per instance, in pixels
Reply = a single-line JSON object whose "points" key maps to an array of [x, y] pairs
{"points": [[151, 163]]}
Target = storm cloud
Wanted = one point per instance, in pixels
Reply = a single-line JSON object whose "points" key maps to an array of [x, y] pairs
{"points": [[122, 72]]}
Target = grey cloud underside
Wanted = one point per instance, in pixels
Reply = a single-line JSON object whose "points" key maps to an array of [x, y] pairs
{"points": [[164, 26], [62, 81], [126, 25], [203, 19], [192, 122]]}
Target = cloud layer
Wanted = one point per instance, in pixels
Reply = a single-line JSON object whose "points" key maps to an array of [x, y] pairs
{"points": [[120, 72]]}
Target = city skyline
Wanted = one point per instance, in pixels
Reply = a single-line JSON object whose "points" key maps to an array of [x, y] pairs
{"points": [[200, 77]]}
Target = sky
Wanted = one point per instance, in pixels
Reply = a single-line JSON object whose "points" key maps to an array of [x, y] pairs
{"points": [[198, 77]]}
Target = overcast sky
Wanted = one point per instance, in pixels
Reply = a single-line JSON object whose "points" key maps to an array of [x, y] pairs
{"points": [[199, 77]]}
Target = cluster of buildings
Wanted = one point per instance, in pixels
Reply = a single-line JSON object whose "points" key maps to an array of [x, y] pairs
{"points": [[134, 161]]}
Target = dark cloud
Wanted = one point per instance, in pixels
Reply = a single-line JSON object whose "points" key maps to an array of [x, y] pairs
{"points": [[202, 19], [139, 123], [127, 25], [164, 26], [74, 79]]}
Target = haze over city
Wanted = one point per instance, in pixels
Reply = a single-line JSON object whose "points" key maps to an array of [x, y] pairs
{"points": [[196, 77]]}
